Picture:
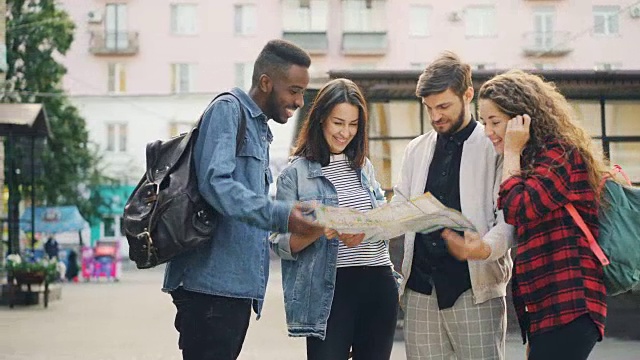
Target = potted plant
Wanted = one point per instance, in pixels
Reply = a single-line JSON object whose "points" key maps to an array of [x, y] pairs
{"points": [[31, 271]]}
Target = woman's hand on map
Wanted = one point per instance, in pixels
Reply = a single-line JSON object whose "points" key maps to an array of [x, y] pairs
{"points": [[350, 240]]}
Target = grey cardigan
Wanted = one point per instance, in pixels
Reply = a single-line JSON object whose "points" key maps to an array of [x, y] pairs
{"points": [[480, 177]]}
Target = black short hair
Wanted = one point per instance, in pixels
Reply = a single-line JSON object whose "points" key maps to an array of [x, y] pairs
{"points": [[276, 57], [445, 72]]}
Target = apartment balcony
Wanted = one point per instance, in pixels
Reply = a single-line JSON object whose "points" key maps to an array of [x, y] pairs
{"points": [[315, 42], [114, 43], [364, 43], [547, 43]]}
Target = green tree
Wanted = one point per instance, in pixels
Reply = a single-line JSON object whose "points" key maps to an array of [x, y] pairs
{"points": [[38, 31]]}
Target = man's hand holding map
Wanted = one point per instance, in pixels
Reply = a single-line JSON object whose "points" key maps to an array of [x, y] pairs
{"points": [[420, 214]]}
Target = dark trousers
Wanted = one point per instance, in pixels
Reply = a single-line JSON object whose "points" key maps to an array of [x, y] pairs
{"points": [[573, 341], [211, 327], [363, 316]]}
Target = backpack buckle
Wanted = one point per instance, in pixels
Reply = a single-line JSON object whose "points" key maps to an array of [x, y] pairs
{"points": [[145, 236]]}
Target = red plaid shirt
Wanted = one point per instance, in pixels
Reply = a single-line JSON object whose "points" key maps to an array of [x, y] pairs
{"points": [[556, 276]]}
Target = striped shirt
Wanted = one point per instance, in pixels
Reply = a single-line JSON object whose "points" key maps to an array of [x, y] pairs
{"points": [[351, 194]]}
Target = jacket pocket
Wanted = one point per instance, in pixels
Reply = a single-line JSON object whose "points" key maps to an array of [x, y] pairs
{"points": [[251, 149]]}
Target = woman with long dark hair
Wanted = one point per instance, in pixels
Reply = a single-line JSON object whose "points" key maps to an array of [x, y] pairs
{"points": [[339, 290]]}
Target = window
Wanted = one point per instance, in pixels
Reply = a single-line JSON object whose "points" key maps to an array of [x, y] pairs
{"points": [[116, 36], [184, 19], [587, 112], [300, 15], [544, 66], [117, 137], [606, 20], [419, 20], [182, 76], [483, 66], [621, 117], [363, 15], [543, 23], [607, 66], [388, 138], [480, 21], [117, 78], [245, 19], [244, 73], [109, 226], [364, 65]]}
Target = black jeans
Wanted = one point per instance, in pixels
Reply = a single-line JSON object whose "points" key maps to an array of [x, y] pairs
{"points": [[211, 327], [573, 341], [363, 316]]}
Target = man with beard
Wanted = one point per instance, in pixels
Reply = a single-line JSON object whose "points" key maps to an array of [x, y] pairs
{"points": [[214, 287], [454, 297]]}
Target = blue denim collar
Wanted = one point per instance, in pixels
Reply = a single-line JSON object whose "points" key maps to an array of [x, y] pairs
{"points": [[248, 103], [315, 169]]}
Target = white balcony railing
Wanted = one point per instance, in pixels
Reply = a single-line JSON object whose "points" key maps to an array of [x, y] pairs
{"points": [[315, 42], [556, 43], [114, 43], [364, 43]]}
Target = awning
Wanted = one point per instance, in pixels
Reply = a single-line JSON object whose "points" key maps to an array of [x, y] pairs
{"points": [[52, 220], [24, 120], [385, 85]]}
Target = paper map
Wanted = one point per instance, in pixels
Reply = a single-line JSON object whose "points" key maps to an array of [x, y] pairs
{"points": [[422, 214]]}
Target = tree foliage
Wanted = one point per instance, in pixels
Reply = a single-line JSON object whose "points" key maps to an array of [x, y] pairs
{"points": [[38, 33]]}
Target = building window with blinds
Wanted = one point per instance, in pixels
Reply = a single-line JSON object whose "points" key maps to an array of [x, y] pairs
{"points": [[245, 20], [117, 78], [364, 16], [364, 27], [184, 19], [606, 20], [182, 76], [117, 137], [116, 35], [480, 21], [304, 16], [419, 20], [544, 18]]}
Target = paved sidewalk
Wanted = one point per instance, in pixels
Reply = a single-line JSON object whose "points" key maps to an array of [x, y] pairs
{"points": [[132, 320]]}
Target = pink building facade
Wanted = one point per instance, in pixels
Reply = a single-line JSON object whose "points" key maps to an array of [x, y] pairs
{"points": [[145, 46], [140, 70]]}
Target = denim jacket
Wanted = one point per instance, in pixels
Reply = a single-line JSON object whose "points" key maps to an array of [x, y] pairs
{"points": [[236, 261], [309, 277]]}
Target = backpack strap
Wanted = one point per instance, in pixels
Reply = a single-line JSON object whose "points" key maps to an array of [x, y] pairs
{"points": [[242, 128], [593, 244], [617, 169]]}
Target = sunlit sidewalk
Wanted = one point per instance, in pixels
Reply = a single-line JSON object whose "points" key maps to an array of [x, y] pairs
{"points": [[132, 319]]}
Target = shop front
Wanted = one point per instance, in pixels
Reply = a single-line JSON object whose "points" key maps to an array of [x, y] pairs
{"points": [[606, 103]]}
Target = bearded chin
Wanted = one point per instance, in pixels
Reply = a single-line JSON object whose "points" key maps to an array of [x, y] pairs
{"points": [[459, 121]]}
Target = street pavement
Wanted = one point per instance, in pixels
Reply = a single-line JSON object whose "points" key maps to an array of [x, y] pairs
{"points": [[133, 320]]}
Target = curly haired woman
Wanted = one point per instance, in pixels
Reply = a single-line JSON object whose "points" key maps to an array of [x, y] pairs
{"points": [[558, 289]]}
